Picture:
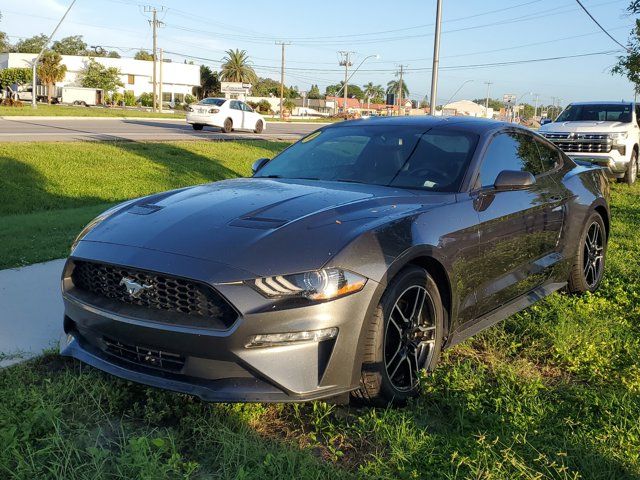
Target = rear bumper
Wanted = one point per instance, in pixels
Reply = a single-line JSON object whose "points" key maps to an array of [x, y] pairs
{"points": [[201, 119], [217, 365]]}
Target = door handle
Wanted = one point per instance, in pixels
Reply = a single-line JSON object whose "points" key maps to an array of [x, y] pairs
{"points": [[555, 198]]}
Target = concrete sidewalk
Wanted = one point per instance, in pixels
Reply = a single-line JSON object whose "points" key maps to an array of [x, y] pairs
{"points": [[30, 310]]}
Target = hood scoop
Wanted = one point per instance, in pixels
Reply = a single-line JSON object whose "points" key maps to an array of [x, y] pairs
{"points": [[260, 223], [144, 209]]}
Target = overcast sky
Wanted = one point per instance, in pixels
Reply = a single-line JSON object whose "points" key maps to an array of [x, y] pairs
{"points": [[475, 32]]}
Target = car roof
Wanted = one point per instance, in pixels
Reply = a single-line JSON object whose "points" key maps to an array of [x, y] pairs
{"points": [[602, 102], [471, 124]]}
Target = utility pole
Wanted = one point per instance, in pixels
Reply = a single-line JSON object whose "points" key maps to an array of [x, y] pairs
{"points": [[160, 83], [282, 44], [535, 108], [34, 67], [155, 24], [400, 89], [346, 63], [486, 104], [436, 59]]}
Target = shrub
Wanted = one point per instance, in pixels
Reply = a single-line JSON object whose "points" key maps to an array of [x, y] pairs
{"points": [[264, 106], [9, 76], [189, 99], [146, 99], [129, 98], [116, 98]]}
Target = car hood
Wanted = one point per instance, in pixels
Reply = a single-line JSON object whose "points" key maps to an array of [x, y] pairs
{"points": [[583, 127], [262, 226]]}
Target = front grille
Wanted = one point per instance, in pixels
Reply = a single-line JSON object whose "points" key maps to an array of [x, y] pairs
{"points": [[159, 292], [147, 357], [581, 142]]}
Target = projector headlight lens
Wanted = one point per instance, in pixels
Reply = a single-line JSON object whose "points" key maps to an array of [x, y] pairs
{"points": [[325, 284]]}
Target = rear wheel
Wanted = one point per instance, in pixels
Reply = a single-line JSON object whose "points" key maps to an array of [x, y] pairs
{"points": [[632, 169], [259, 127], [197, 126], [588, 266], [403, 338], [227, 126]]}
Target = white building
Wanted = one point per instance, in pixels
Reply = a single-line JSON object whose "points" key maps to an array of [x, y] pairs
{"points": [[467, 108], [178, 79]]}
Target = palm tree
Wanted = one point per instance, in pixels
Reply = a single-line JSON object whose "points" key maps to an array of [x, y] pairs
{"points": [[50, 71], [393, 85], [237, 68], [372, 91]]}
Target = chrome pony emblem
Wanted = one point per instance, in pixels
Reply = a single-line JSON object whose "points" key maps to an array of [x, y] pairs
{"points": [[134, 288]]}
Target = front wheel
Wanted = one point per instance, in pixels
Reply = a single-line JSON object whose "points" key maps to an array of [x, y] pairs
{"points": [[588, 266], [632, 169], [259, 127], [403, 338]]}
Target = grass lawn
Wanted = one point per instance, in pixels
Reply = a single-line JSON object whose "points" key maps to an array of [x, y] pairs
{"points": [[552, 393], [45, 110], [49, 191]]}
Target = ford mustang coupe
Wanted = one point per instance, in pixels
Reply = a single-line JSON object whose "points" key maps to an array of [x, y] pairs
{"points": [[345, 264]]}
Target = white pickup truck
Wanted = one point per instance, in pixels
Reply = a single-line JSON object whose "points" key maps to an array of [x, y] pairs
{"points": [[602, 133]]}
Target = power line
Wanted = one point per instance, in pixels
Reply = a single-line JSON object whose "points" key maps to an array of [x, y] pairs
{"points": [[600, 26]]}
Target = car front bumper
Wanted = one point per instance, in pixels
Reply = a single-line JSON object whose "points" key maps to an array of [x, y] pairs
{"points": [[614, 164], [217, 365]]}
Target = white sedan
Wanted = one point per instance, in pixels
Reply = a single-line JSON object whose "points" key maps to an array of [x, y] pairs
{"points": [[226, 114]]}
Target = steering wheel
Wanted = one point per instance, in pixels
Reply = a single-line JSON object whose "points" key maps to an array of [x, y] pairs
{"points": [[434, 175]]}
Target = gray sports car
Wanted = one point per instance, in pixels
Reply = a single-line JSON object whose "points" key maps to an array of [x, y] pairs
{"points": [[344, 265]]}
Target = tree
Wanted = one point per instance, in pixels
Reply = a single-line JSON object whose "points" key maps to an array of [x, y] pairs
{"points": [[394, 85], [96, 75], [143, 55], [209, 83], [373, 93], [113, 54], [493, 103], [629, 64], [236, 67], [73, 45], [314, 92], [32, 44], [5, 45], [266, 87], [9, 76], [353, 91], [51, 70]]}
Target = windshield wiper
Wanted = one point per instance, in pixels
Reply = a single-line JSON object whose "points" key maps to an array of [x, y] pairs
{"points": [[270, 176], [347, 180]]}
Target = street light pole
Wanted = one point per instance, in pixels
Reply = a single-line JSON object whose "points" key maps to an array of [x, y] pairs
{"points": [[436, 59], [456, 92], [486, 104], [37, 59], [375, 55]]}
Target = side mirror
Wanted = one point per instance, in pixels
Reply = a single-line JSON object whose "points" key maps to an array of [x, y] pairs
{"points": [[544, 121], [514, 180], [258, 164]]}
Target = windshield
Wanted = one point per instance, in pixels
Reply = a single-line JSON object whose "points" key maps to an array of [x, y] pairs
{"points": [[597, 113], [398, 156], [212, 101]]}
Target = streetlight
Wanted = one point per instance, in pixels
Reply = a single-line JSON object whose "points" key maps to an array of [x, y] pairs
{"points": [[376, 56], [456, 92]]}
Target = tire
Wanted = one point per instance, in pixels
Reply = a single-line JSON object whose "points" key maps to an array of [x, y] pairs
{"points": [[589, 262], [632, 169], [227, 126], [259, 127], [387, 378], [197, 126]]}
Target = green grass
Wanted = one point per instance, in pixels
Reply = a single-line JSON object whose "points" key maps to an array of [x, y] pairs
{"points": [[48, 191], [551, 393], [45, 110]]}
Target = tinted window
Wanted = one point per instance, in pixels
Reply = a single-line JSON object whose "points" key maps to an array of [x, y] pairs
{"points": [[597, 113], [235, 105], [549, 156], [509, 151], [400, 156], [212, 101], [245, 107]]}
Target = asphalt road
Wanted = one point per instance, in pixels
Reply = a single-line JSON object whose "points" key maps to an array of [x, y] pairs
{"points": [[64, 130]]}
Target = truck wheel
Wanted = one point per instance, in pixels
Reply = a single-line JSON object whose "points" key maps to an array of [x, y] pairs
{"points": [[632, 169]]}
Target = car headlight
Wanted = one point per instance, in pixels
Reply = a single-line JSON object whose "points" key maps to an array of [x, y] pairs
{"points": [[618, 136], [326, 284], [98, 220]]}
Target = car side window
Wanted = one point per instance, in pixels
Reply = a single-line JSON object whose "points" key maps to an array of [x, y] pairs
{"points": [[638, 114], [549, 156], [509, 151], [235, 105], [245, 107]]}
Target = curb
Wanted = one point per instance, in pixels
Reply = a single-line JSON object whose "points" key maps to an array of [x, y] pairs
{"points": [[36, 117]]}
